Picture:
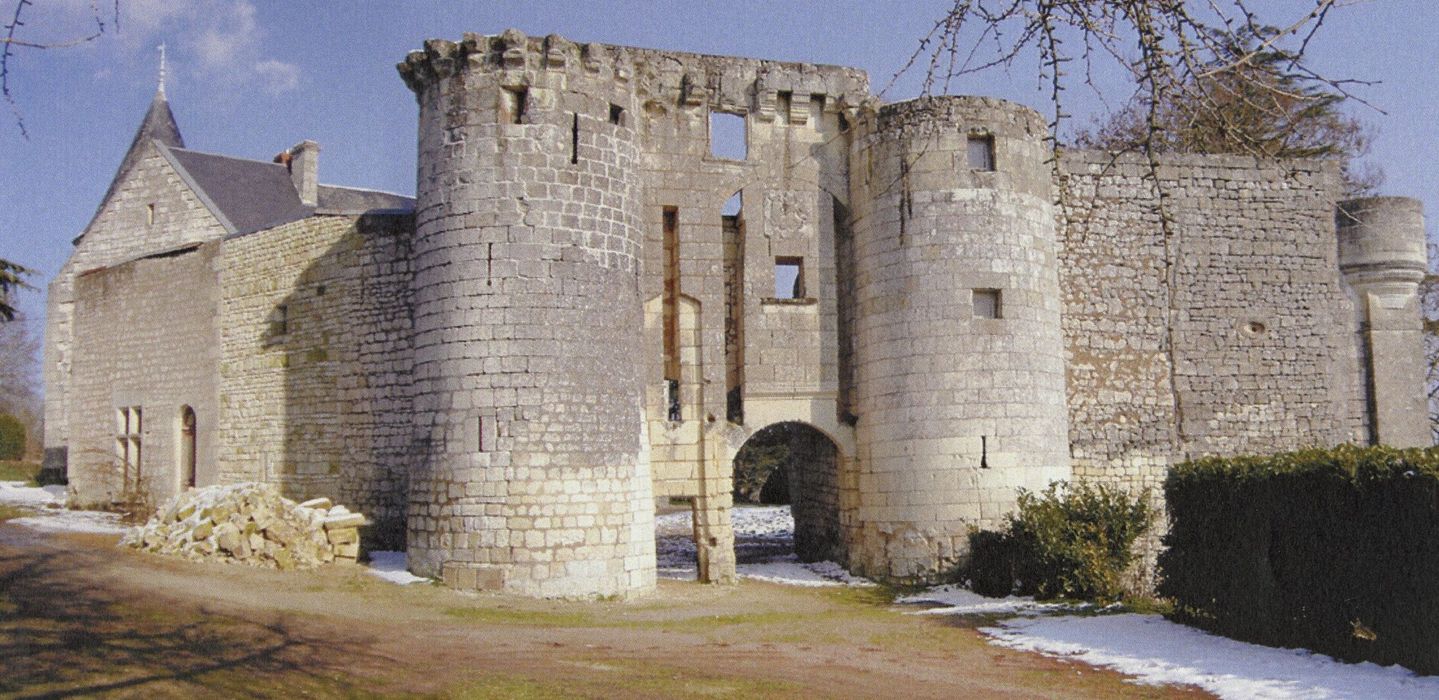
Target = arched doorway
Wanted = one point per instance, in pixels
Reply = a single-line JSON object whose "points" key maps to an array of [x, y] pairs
{"points": [[792, 464], [187, 447]]}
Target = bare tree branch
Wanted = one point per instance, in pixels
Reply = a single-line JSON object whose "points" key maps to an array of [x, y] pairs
{"points": [[10, 42]]}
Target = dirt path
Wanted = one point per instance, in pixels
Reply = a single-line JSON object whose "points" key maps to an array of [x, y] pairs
{"points": [[79, 617]]}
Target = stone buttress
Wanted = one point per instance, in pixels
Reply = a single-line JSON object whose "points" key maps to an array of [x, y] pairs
{"points": [[531, 474]]}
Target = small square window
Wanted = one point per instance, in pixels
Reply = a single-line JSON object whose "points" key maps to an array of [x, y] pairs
{"points": [[513, 101], [729, 136], [789, 278], [617, 114], [987, 304], [981, 152]]}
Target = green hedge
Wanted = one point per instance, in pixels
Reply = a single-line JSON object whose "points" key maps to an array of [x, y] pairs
{"points": [[12, 437], [1331, 550]]}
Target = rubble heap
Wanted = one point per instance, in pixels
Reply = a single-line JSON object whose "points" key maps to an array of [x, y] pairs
{"points": [[250, 523]]}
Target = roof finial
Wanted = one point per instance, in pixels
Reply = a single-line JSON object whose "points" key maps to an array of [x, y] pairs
{"points": [[162, 68]]}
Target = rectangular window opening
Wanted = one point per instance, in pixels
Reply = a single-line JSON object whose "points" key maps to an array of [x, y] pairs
{"points": [[783, 103], [280, 320], [513, 102], [150, 214], [617, 114], [728, 136], [987, 304], [981, 152], [788, 278], [480, 434]]}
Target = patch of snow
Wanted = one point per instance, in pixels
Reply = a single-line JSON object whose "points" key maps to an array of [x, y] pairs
{"points": [[1157, 651], [16, 493], [764, 546], [393, 567], [953, 599], [59, 520]]}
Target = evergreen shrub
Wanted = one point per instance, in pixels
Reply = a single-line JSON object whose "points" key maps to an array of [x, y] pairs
{"points": [[1070, 541], [1332, 550]]}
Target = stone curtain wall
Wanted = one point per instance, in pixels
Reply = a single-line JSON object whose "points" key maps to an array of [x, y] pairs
{"points": [[146, 336], [121, 231], [317, 398], [1247, 292]]}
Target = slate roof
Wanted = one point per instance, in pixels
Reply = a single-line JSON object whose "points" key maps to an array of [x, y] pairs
{"points": [[245, 195]]}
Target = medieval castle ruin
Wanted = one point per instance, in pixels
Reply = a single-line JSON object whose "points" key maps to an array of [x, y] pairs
{"points": [[587, 307]]}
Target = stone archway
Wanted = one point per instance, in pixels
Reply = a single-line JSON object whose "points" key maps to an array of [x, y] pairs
{"points": [[806, 462]]}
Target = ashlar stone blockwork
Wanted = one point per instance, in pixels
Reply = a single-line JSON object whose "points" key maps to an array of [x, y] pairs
{"points": [[595, 300]]}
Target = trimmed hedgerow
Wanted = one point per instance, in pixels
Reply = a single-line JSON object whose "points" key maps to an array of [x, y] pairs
{"points": [[12, 437], [1070, 541], [1332, 550]]}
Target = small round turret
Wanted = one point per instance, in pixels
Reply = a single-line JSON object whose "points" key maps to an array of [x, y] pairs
{"points": [[959, 365]]}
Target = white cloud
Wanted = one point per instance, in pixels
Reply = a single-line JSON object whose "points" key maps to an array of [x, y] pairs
{"points": [[219, 42]]}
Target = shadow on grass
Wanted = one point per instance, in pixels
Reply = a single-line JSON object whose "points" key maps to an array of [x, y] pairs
{"points": [[62, 636]]}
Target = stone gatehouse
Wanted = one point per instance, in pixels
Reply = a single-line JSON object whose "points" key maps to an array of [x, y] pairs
{"points": [[595, 299]]}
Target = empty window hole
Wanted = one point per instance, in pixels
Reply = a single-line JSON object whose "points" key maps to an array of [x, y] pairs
{"points": [[987, 304], [728, 137], [789, 278], [513, 101]]}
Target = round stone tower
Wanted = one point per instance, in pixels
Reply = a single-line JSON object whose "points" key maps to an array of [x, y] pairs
{"points": [[958, 354], [531, 474], [1383, 257]]}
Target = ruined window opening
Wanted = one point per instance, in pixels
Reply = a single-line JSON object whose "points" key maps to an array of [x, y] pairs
{"points": [[617, 114], [987, 303], [128, 428], [732, 205], [788, 278], [980, 149], [783, 103], [187, 446], [729, 136], [280, 320], [575, 139], [150, 214], [513, 102], [670, 311], [672, 400], [319, 290]]}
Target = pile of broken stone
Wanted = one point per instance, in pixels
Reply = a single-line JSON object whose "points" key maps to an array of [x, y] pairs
{"points": [[250, 523]]}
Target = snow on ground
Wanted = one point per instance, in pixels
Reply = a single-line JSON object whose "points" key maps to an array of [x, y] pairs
{"points": [[393, 567], [764, 548], [956, 600], [50, 515], [1157, 651]]}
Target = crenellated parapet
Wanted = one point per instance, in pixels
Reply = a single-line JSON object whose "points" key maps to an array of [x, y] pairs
{"points": [[661, 80]]}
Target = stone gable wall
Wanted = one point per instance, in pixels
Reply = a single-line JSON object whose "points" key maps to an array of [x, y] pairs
{"points": [[120, 231]]}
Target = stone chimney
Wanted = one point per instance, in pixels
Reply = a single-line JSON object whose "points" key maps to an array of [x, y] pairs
{"points": [[303, 162]]}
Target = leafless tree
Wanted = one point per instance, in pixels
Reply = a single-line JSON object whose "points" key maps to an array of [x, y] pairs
{"points": [[15, 38], [19, 393], [1204, 56]]}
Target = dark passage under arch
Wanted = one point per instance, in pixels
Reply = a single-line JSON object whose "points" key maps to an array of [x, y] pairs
{"points": [[793, 463]]}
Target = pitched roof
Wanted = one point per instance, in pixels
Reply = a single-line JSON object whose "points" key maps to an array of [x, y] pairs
{"points": [[158, 125], [251, 195], [245, 195]]}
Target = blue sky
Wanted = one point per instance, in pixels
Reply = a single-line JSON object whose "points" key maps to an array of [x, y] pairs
{"points": [[249, 79]]}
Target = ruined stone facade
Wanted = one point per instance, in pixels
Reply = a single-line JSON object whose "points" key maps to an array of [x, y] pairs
{"points": [[591, 304]]}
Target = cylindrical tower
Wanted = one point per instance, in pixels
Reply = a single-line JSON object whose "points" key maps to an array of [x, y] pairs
{"points": [[1382, 255], [959, 359], [530, 475]]}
